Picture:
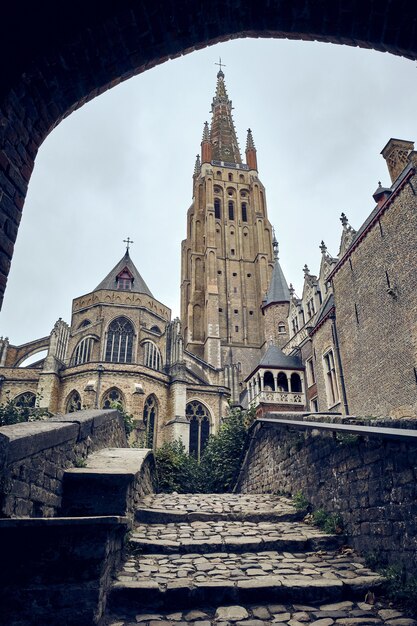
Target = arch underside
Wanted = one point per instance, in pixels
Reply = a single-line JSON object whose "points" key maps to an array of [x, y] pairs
{"points": [[63, 59]]}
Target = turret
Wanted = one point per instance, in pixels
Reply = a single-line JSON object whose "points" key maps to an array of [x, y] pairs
{"points": [[251, 159], [206, 151]]}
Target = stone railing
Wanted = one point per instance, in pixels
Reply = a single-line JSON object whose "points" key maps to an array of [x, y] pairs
{"points": [[35, 455], [278, 397], [362, 469]]}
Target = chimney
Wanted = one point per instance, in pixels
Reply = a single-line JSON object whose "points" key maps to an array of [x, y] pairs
{"points": [[396, 155]]}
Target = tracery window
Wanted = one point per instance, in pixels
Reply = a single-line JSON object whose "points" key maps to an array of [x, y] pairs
{"points": [[150, 411], [198, 416], [119, 344], [151, 356], [112, 396], [73, 402], [82, 353], [26, 400]]}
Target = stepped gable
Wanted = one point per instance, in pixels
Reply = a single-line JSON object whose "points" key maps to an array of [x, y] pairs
{"points": [[125, 266]]}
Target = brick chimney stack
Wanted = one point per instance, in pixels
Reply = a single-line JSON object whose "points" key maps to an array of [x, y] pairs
{"points": [[396, 155]]}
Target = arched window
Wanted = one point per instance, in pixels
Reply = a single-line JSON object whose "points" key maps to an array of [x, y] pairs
{"points": [[269, 383], [217, 208], [295, 383], [112, 396], [119, 344], [282, 382], [73, 402], [84, 323], [151, 356], [150, 412], [230, 177], [26, 400], [231, 210], [281, 328], [124, 280], [244, 212], [198, 416], [82, 353], [155, 329]]}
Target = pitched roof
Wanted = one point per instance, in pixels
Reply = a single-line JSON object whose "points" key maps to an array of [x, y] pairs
{"points": [[274, 357], [138, 286], [325, 309], [278, 289]]}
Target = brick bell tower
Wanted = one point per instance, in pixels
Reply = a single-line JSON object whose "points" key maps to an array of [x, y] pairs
{"points": [[227, 256]]}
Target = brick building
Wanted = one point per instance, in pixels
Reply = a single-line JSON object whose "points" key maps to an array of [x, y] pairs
{"points": [[347, 345]]}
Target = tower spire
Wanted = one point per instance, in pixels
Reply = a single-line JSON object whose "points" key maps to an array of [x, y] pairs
{"points": [[206, 148], [251, 158], [223, 139]]}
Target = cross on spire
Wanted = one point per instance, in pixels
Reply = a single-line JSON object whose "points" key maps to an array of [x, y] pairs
{"points": [[220, 63], [128, 241]]}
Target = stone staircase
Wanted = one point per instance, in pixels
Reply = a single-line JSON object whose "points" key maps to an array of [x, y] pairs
{"points": [[240, 559]]}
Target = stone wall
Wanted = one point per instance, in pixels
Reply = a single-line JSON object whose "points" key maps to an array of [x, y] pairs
{"points": [[370, 482], [34, 455]]}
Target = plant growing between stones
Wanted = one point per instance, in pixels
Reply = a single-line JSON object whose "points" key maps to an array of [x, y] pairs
{"points": [[300, 502], [331, 523], [128, 419]]}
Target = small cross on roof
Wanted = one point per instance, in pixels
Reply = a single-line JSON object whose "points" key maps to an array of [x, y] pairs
{"points": [[128, 241]]}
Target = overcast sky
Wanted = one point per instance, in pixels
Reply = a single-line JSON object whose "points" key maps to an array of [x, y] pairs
{"points": [[122, 166]]}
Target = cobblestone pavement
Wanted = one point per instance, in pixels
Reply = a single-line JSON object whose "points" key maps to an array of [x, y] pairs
{"points": [[185, 537], [225, 504], [248, 559], [344, 613]]}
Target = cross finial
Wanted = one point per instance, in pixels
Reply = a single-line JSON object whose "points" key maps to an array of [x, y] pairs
{"points": [[128, 241], [220, 64]]}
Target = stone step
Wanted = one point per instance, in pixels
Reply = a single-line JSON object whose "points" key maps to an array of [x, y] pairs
{"points": [[160, 580], [221, 536], [177, 508], [345, 613]]}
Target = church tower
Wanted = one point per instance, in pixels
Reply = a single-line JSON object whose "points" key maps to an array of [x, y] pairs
{"points": [[227, 256]]}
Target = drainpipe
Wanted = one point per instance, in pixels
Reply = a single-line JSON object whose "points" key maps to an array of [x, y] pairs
{"points": [[339, 364]]}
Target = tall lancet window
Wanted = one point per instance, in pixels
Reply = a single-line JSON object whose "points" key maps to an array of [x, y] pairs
{"points": [[199, 419], [231, 210], [119, 345], [217, 209]]}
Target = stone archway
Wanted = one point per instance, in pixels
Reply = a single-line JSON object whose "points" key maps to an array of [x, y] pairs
{"points": [[57, 61]]}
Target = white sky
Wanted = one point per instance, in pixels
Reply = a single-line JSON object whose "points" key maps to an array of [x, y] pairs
{"points": [[122, 166]]}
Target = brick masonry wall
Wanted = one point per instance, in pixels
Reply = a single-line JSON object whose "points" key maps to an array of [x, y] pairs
{"points": [[379, 348], [34, 455], [371, 483]]}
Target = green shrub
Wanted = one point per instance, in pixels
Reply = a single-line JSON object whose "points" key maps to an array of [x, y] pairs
{"points": [[329, 522], [176, 470], [11, 413], [128, 419], [300, 502]]}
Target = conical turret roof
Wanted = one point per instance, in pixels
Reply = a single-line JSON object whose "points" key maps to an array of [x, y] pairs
{"points": [[125, 263], [278, 288], [223, 138]]}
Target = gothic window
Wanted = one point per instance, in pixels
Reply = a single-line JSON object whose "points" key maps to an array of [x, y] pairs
{"points": [[281, 328], [149, 419], [73, 402], [310, 308], [119, 345], [84, 323], [82, 353], [231, 210], [151, 356], [332, 390], [296, 383], [25, 400], [230, 177], [244, 212], [217, 208], [111, 397], [294, 324], [198, 416], [124, 280], [311, 376], [156, 329], [282, 382]]}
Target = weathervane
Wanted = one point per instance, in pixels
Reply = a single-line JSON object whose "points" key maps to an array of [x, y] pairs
{"points": [[128, 241], [220, 63]]}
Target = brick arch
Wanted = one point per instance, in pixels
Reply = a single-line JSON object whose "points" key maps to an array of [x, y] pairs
{"points": [[57, 61]]}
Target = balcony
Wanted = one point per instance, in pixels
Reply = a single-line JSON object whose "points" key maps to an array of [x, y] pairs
{"points": [[279, 397]]}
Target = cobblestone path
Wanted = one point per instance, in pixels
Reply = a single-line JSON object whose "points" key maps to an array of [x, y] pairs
{"points": [[244, 560]]}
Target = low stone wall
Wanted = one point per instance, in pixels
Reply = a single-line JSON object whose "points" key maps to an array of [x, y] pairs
{"points": [[34, 455], [370, 482]]}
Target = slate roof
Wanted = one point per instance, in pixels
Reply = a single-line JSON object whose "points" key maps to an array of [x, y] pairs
{"points": [[326, 307], [278, 289], [139, 285], [274, 357]]}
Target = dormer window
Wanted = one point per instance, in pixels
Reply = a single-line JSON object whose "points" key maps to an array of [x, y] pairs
{"points": [[124, 280]]}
